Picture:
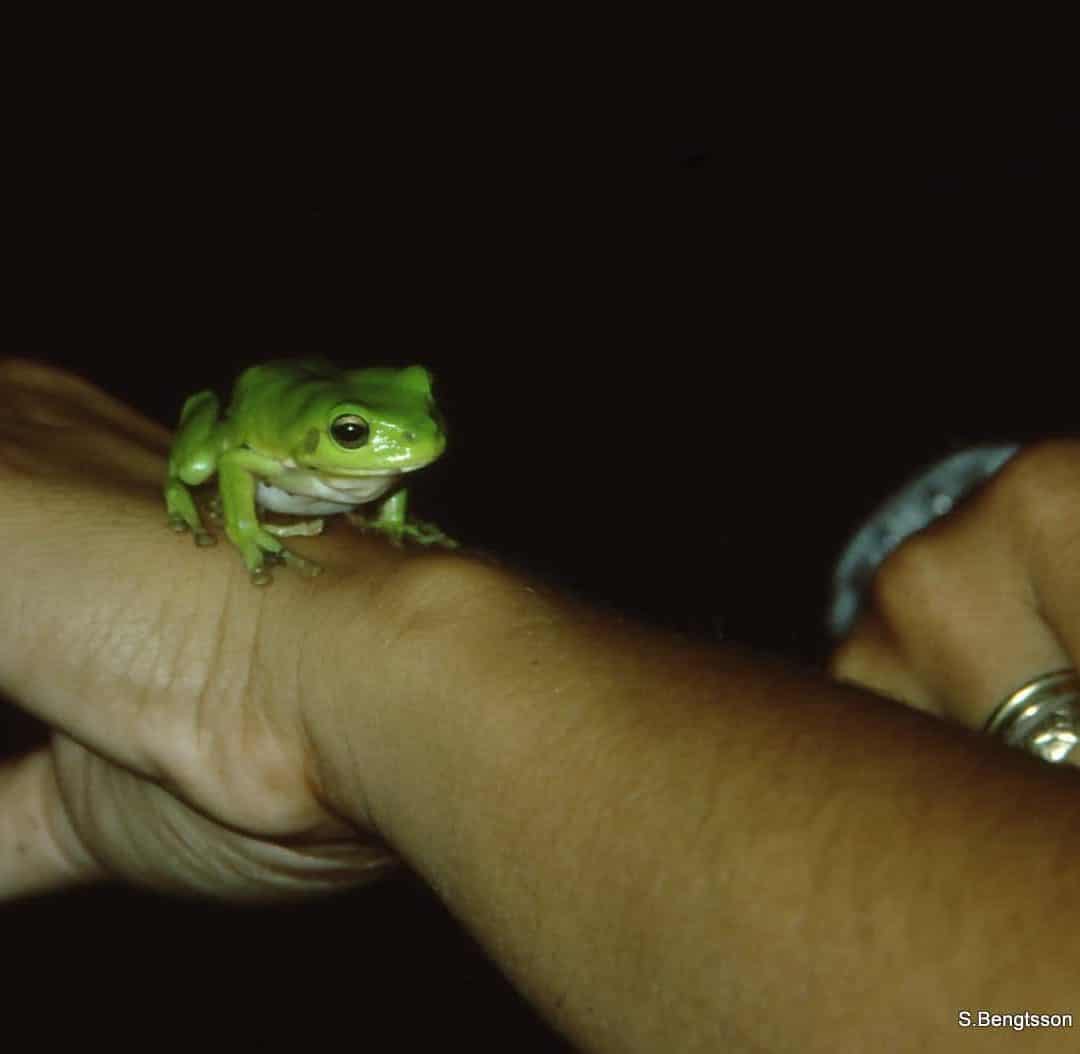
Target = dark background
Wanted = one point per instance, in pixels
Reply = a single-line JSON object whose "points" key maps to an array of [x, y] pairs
{"points": [[682, 351]]}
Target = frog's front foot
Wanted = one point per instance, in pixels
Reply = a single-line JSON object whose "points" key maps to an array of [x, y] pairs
{"points": [[308, 568], [260, 574], [260, 550]]}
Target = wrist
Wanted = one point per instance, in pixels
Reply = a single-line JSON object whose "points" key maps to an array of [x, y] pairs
{"points": [[385, 683]]}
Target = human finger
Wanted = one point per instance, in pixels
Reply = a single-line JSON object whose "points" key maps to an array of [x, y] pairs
{"points": [[57, 387], [39, 850], [53, 423], [1045, 488], [955, 621], [869, 657]]}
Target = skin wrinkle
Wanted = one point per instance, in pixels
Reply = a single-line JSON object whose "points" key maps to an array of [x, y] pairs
{"points": [[50, 642], [254, 733], [182, 764], [179, 824], [61, 837], [210, 697], [313, 776], [307, 684], [74, 804], [275, 865], [206, 865], [342, 798], [150, 716], [260, 718], [280, 773], [309, 649]]}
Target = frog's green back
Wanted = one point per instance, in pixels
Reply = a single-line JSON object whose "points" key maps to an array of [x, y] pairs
{"points": [[377, 384], [268, 375]]}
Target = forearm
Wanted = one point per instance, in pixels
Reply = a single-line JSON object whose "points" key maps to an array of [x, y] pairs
{"points": [[672, 846]]}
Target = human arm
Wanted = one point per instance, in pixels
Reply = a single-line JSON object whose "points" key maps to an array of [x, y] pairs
{"points": [[667, 845], [674, 846]]}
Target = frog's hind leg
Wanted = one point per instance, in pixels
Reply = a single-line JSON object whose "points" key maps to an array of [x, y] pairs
{"points": [[191, 462], [183, 513]]}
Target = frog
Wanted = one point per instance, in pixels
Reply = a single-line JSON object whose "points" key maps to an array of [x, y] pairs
{"points": [[310, 439]]}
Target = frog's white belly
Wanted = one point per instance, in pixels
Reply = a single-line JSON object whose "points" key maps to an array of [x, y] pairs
{"points": [[304, 494]]}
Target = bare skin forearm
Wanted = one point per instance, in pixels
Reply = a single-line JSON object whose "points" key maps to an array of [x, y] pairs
{"points": [[671, 846]]}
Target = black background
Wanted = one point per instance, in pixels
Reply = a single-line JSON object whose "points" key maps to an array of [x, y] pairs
{"points": [[682, 347]]}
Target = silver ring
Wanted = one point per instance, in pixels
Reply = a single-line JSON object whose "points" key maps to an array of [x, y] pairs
{"points": [[1041, 717]]}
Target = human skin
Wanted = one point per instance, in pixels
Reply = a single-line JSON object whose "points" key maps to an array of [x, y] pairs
{"points": [[666, 844], [982, 601]]}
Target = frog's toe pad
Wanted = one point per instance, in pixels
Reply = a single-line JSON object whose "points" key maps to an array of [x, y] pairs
{"points": [[298, 563], [423, 533], [204, 538]]}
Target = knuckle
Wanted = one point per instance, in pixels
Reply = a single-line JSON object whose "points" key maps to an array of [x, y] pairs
{"points": [[1039, 471], [1039, 483], [910, 575]]}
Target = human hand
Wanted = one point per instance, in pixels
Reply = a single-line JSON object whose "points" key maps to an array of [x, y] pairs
{"points": [[984, 600], [179, 758]]}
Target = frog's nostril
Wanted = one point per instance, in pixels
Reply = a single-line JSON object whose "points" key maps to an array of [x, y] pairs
{"points": [[410, 436]]}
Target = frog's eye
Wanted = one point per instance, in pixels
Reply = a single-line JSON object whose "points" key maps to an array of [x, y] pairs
{"points": [[349, 431]]}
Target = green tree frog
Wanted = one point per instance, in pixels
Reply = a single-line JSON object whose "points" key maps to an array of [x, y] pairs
{"points": [[308, 439]]}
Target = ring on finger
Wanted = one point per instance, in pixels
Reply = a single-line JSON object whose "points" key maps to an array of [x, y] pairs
{"points": [[1042, 717]]}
